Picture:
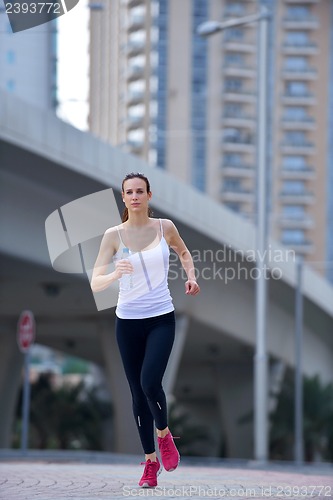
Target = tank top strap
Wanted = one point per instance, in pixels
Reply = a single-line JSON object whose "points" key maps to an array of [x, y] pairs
{"points": [[161, 226], [120, 238]]}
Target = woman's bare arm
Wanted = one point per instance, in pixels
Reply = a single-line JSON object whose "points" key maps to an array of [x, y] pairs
{"points": [[101, 279], [175, 241]]}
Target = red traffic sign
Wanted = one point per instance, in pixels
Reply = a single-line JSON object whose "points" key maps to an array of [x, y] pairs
{"points": [[26, 330]]}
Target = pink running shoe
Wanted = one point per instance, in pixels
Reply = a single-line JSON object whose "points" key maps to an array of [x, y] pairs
{"points": [[169, 453], [150, 473]]}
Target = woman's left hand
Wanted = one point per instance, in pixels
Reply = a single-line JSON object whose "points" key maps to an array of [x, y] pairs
{"points": [[191, 287]]}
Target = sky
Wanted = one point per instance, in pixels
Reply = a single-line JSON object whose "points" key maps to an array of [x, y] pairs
{"points": [[73, 65]]}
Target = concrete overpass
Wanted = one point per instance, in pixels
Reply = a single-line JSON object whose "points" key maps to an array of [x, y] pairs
{"points": [[45, 164]]}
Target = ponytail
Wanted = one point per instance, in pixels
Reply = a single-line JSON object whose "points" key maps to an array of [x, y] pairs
{"points": [[124, 217]]}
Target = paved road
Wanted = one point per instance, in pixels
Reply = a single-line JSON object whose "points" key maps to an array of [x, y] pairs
{"points": [[43, 480]]}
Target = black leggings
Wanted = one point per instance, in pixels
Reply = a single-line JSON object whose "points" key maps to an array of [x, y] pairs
{"points": [[145, 346]]}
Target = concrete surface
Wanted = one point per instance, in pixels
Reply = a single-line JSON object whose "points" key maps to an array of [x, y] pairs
{"points": [[105, 476]]}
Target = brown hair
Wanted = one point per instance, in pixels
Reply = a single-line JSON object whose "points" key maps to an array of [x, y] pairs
{"points": [[134, 175]]}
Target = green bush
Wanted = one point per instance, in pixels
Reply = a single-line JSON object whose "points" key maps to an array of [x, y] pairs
{"points": [[70, 417], [317, 420]]}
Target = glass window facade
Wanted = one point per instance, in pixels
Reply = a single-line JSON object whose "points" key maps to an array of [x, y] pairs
{"points": [[329, 211], [293, 236], [232, 184], [293, 187], [161, 92], [294, 211], [234, 58], [295, 113], [299, 38], [296, 63], [233, 84], [234, 34], [233, 159], [295, 137], [294, 162], [298, 12], [298, 89], [199, 100], [235, 9], [54, 64]]}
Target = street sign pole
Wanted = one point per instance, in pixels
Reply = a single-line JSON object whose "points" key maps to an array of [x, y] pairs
{"points": [[25, 337], [25, 403], [298, 423]]}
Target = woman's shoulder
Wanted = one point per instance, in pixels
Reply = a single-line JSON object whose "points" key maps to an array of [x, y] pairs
{"points": [[112, 232], [169, 229], [114, 229], [166, 221], [167, 224]]}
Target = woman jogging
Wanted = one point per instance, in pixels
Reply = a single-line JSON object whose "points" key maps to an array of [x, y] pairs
{"points": [[145, 319]]}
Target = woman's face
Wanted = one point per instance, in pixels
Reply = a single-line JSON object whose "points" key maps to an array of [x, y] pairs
{"points": [[135, 195]]}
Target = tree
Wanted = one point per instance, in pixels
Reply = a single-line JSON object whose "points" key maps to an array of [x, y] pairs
{"points": [[65, 418], [317, 420]]}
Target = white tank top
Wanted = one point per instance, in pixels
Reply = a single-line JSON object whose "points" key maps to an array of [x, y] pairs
{"points": [[150, 294]]}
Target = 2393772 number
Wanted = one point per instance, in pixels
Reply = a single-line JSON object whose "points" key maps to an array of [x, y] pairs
{"points": [[33, 8], [303, 491]]}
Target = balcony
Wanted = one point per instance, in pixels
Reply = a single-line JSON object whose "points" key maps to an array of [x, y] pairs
{"points": [[299, 73], [238, 170], [135, 3], [304, 173], [136, 23], [241, 142], [236, 10], [303, 247], [239, 95], [298, 123], [300, 198], [302, 222], [247, 46], [300, 49], [238, 147], [135, 48], [136, 73], [238, 120], [304, 148], [237, 195], [135, 122], [295, 2], [298, 99], [240, 70], [135, 147], [301, 22], [135, 97]]}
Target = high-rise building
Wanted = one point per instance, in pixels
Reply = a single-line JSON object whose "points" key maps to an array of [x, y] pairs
{"points": [[28, 62], [189, 105], [302, 186]]}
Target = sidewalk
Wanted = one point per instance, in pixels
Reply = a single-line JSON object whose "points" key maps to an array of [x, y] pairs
{"points": [[110, 476]]}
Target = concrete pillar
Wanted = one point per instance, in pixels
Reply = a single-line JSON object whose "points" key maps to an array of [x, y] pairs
{"points": [[182, 322], [126, 438], [11, 361], [234, 384]]}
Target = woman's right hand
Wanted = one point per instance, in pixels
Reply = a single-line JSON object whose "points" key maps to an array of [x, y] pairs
{"points": [[123, 266]]}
